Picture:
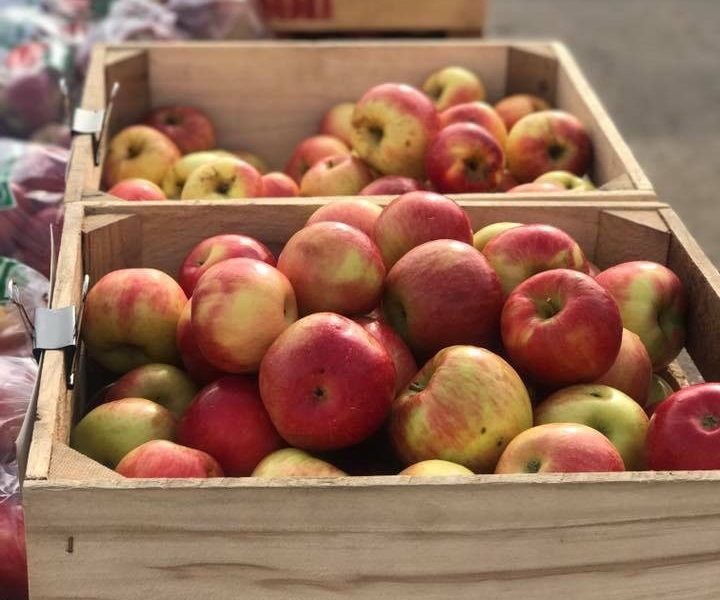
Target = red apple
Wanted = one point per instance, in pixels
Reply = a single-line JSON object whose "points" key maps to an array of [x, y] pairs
{"points": [[520, 252], [513, 108], [216, 249], [239, 307], [453, 85], [339, 175], [534, 187], [188, 127], [337, 121], [551, 140], [279, 185], [327, 383], [137, 189], [291, 462], [227, 420], [393, 125], [405, 365], [464, 157], [161, 458], [361, 214], [443, 293], [310, 151], [632, 370], [480, 113], [13, 560], [418, 217], [560, 448], [391, 185], [561, 327], [333, 267], [507, 182], [198, 367]]}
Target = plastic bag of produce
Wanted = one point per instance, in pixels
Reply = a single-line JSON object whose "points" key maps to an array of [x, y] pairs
{"points": [[17, 381], [215, 19], [13, 561]]}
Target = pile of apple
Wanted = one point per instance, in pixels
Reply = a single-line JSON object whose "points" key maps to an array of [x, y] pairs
{"points": [[532, 361], [394, 139]]}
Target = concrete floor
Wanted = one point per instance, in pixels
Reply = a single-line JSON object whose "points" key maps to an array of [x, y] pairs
{"points": [[655, 64]]}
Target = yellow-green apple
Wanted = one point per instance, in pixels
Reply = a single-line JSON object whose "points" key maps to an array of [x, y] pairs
{"points": [[130, 319], [393, 124], [659, 391], [198, 367], [464, 157], [310, 151], [13, 558], [536, 186], [337, 121], [487, 233], [453, 85], [652, 304], [292, 462], [227, 420], [561, 327], [175, 177], [165, 384], [326, 383], [513, 108], [361, 214], [566, 180], [139, 151], [239, 307], [339, 175], [684, 433], [391, 185], [279, 185], [631, 372], [187, 126], [418, 217], [333, 267], [614, 414], [253, 159], [137, 189], [222, 179], [464, 406], [551, 140], [520, 252], [560, 448], [162, 458], [442, 293], [216, 249], [108, 432], [435, 468], [480, 113], [405, 365], [507, 182]]}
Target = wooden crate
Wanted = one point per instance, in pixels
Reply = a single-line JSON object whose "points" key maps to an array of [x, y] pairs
{"points": [[268, 96], [375, 17], [92, 534]]}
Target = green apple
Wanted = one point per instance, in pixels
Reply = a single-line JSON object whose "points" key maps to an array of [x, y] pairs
{"points": [[291, 462]]}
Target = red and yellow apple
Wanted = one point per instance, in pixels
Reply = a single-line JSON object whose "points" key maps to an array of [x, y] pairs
{"points": [[137, 189], [513, 108], [187, 126], [435, 468], [292, 462], [337, 121], [339, 175], [311, 150], [176, 176], [536, 187], [631, 372], [197, 366], [162, 458], [361, 214], [222, 179], [391, 185], [279, 185], [566, 181], [252, 159], [482, 236], [453, 85], [480, 113]]}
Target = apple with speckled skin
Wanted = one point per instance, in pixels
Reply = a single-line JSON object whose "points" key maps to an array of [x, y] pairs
{"points": [[391, 185], [453, 85], [393, 124], [327, 383], [361, 214], [216, 249], [513, 108], [333, 267], [164, 459], [652, 304], [566, 180], [137, 189], [614, 414], [337, 121], [223, 178], [552, 140], [239, 307], [139, 151], [176, 176], [165, 384], [484, 235], [279, 185], [464, 406], [560, 448], [293, 462], [442, 293], [520, 252], [108, 432], [187, 126], [228, 420], [197, 366], [339, 175], [418, 217], [535, 187], [312, 150], [659, 391], [130, 319], [435, 468], [464, 158], [631, 372], [561, 327], [480, 113]]}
